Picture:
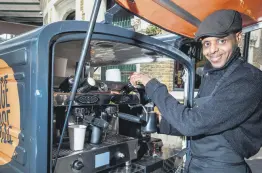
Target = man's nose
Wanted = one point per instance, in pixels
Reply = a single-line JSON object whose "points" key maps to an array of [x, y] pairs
{"points": [[213, 48]]}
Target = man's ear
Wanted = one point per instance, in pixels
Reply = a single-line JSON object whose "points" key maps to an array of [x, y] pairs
{"points": [[238, 37]]}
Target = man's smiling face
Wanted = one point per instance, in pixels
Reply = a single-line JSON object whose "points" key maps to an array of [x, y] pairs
{"points": [[219, 50]]}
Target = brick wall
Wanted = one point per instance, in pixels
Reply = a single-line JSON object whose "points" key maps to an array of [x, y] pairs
{"points": [[163, 71]]}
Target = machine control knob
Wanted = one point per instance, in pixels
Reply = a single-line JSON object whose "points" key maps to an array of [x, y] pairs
{"points": [[77, 165], [120, 155]]}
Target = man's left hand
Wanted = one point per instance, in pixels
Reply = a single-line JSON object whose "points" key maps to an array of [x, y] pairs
{"points": [[136, 78]]}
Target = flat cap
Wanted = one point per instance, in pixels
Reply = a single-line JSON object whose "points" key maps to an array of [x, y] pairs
{"points": [[220, 24]]}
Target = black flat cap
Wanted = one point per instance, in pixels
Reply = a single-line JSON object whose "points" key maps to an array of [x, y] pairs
{"points": [[220, 24]]}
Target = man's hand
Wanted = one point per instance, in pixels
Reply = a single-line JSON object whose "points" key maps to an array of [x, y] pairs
{"points": [[136, 78], [158, 114]]}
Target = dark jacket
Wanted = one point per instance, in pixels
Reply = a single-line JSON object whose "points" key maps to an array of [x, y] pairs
{"points": [[234, 111]]}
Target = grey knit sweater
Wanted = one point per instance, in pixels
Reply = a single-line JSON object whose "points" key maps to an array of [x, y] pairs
{"points": [[234, 111]]}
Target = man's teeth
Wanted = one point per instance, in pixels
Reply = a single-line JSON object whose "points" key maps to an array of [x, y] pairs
{"points": [[215, 58]]}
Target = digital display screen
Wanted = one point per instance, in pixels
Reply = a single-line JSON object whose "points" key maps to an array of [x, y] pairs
{"points": [[102, 159]]}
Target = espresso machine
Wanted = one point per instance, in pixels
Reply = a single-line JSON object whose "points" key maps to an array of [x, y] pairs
{"points": [[118, 130]]}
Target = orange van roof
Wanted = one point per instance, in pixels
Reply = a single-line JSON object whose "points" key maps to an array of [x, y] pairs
{"points": [[183, 16]]}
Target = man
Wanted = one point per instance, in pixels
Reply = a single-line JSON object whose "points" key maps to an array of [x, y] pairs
{"points": [[225, 125]]}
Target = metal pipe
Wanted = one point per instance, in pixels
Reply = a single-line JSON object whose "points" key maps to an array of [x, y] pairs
{"points": [[189, 96], [191, 80], [179, 11], [246, 46], [79, 68]]}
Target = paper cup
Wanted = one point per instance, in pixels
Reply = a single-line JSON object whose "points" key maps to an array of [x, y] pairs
{"points": [[77, 137], [113, 75]]}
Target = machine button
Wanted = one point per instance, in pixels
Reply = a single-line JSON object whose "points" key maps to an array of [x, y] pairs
{"points": [[77, 165]]}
